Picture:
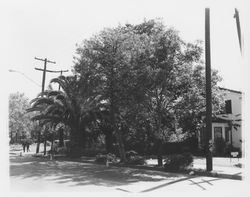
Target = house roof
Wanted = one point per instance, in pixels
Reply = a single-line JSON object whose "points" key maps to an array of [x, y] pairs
{"points": [[226, 89], [219, 120]]}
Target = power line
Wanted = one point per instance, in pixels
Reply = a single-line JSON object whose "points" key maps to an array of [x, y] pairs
{"points": [[44, 69], [52, 71], [16, 71]]}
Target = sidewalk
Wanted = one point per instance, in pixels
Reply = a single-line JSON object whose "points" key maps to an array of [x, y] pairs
{"points": [[222, 167]]}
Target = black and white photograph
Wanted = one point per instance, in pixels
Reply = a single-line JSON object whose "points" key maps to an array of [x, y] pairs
{"points": [[115, 97]]}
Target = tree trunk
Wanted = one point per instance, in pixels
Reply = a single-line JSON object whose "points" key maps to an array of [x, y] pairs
{"points": [[75, 145], [82, 137], [120, 146], [160, 146], [38, 142], [52, 147], [45, 144], [118, 138], [108, 141], [16, 137], [159, 153], [11, 137], [61, 143]]}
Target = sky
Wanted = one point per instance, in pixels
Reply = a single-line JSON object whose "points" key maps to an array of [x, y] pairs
{"points": [[51, 29]]}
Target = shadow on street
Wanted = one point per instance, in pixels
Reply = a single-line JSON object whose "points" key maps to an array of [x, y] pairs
{"points": [[81, 173]]}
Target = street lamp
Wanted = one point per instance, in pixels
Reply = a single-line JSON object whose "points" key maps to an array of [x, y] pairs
{"points": [[16, 71]]}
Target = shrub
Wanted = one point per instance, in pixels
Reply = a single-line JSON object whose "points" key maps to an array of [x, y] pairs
{"points": [[91, 152], [174, 163], [136, 160], [131, 153], [62, 150], [219, 146], [229, 148], [101, 158], [74, 150]]}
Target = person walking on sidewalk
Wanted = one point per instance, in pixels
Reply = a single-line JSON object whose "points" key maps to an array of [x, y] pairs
{"points": [[24, 146], [28, 146]]}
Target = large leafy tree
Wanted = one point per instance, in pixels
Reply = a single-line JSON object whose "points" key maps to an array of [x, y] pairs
{"points": [[176, 81], [145, 68], [20, 125], [191, 110], [108, 59]]}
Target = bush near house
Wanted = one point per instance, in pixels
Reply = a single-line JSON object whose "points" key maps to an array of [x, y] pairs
{"points": [[229, 148], [219, 147], [177, 162], [92, 152], [134, 159], [102, 158]]}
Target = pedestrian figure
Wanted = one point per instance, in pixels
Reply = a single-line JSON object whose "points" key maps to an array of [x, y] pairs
{"points": [[24, 145], [28, 146]]}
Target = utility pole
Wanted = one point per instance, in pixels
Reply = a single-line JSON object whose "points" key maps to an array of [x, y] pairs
{"points": [[43, 84], [209, 159], [61, 71], [236, 16], [53, 71], [44, 69]]}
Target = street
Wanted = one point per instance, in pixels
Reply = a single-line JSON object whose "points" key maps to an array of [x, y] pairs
{"points": [[33, 174]]}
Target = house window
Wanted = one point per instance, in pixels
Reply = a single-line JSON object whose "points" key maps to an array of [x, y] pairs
{"points": [[227, 134], [217, 132], [228, 106]]}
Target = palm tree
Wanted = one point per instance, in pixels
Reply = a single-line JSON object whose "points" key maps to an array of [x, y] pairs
{"points": [[74, 107]]}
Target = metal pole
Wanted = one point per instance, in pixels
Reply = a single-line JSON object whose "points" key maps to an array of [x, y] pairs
{"points": [[59, 84], [61, 75], [236, 16], [44, 69], [43, 84], [44, 73], [209, 160]]}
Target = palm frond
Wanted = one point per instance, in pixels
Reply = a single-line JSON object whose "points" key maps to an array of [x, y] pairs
{"points": [[53, 109], [42, 101], [60, 81], [45, 117], [54, 93], [32, 109]]}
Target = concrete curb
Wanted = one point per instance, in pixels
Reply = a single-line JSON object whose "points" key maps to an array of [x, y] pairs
{"points": [[187, 172], [218, 175], [195, 172], [161, 169]]}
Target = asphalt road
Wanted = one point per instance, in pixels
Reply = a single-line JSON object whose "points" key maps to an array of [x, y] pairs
{"points": [[29, 174]]}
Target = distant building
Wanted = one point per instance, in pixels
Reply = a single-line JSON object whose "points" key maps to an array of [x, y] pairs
{"points": [[228, 124]]}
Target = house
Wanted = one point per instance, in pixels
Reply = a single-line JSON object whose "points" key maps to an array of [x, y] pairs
{"points": [[227, 126]]}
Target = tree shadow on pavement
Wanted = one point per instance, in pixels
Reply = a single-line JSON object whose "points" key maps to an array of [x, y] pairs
{"points": [[82, 173]]}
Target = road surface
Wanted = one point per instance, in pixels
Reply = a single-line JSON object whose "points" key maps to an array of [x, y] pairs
{"points": [[31, 174]]}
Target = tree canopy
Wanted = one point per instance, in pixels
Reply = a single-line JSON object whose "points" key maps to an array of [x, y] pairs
{"points": [[20, 124], [145, 68], [136, 84]]}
